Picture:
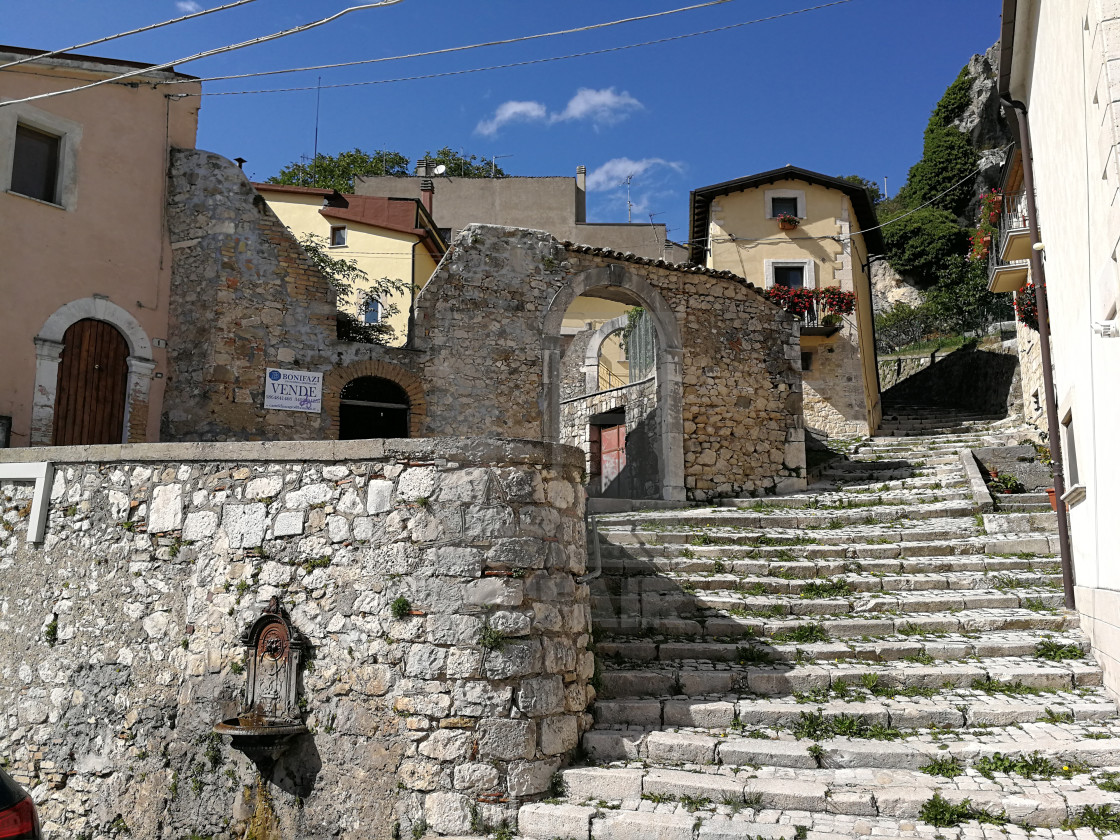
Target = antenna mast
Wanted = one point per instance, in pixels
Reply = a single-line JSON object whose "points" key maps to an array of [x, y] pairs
{"points": [[629, 206]]}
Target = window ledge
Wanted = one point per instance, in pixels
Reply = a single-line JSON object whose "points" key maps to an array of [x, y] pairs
{"points": [[1075, 494], [36, 200]]}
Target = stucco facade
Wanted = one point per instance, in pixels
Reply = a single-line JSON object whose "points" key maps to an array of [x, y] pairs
{"points": [[385, 237], [735, 228], [97, 249], [1062, 61]]}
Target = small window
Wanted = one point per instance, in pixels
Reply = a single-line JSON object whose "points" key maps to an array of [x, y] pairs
{"points": [[35, 164], [338, 236], [778, 206], [790, 276], [372, 315], [1071, 450], [806, 362]]}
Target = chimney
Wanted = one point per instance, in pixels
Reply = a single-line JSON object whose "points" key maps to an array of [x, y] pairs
{"points": [[581, 194], [427, 188]]}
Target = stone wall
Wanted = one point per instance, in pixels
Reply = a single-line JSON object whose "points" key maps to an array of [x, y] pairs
{"points": [[985, 381], [835, 402], [119, 634], [244, 297], [729, 366], [1030, 366], [894, 369]]}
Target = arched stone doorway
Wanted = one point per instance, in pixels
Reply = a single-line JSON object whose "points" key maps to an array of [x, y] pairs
{"points": [[50, 344], [92, 380], [617, 283], [373, 407], [337, 380]]}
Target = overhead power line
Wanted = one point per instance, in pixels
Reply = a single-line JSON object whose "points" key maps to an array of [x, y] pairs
{"points": [[252, 42], [464, 47], [525, 63], [148, 28]]}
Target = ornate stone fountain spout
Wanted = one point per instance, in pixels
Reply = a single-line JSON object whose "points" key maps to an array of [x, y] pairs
{"points": [[269, 719]]}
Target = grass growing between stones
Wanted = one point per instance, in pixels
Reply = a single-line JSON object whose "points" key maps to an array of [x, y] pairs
{"points": [[816, 727], [803, 634], [940, 812], [826, 589], [1101, 819], [948, 767], [1033, 766], [1056, 651]]}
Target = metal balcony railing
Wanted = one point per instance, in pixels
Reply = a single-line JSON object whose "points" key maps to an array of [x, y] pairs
{"points": [[1010, 249]]}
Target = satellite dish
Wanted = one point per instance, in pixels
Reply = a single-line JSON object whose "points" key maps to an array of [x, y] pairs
{"points": [[439, 170]]}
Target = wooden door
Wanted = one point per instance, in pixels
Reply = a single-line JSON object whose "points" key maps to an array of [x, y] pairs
{"points": [[92, 380], [612, 459]]}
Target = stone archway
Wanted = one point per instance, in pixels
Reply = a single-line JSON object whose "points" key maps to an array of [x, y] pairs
{"points": [[49, 345], [616, 282], [335, 380]]}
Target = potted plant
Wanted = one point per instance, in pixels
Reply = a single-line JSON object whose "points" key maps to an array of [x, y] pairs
{"points": [[1053, 497], [1026, 306], [788, 221]]}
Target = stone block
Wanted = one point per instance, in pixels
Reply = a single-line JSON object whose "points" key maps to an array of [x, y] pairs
{"points": [[244, 524], [447, 813], [506, 592], [680, 783], [681, 747], [628, 825], [611, 784], [266, 486], [287, 524], [613, 745], [554, 822], [558, 734], [529, 777], [698, 713], [447, 745], [379, 496], [417, 483], [507, 739], [166, 512], [541, 696], [789, 795], [478, 776], [200, 525], [741, 751]]}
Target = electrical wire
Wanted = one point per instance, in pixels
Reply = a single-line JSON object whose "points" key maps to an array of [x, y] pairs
{"points": [[218, 50], [446, 50], [148, 28], [526, 62]]}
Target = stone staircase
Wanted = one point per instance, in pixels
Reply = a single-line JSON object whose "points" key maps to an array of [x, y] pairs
{"points": [[866, 659]]}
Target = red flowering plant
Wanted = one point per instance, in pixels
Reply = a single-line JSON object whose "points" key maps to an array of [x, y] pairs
{"points": [[837, 301], [794, 301], [788, 219], [1026, 306], [987, 227]]}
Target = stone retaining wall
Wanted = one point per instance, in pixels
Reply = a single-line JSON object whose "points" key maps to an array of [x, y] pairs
{"points": [[119, 643]]}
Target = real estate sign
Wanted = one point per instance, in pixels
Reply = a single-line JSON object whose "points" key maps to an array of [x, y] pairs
{"points": [[293, 390]]}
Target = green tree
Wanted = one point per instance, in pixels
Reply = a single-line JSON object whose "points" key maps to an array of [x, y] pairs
{"points": [[947, 160], [920, 244], [464, 166], [871, 187], [337, 172], [960, 302], [352, 285]]}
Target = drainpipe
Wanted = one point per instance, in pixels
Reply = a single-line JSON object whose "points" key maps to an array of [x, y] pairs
{"points": [[1038, 273]]}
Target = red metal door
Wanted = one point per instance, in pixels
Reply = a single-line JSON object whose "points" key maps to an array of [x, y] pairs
{"points": [[92, 379], [612, 458]]}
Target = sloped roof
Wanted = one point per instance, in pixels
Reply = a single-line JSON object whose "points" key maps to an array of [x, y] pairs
{"points": [[702, 198]]}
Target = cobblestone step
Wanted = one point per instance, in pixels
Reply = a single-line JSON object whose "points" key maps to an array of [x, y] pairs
{"points": [[622, 562], [945, 710], [697, 677], [796, 580], [947, 648], [716, 626]]}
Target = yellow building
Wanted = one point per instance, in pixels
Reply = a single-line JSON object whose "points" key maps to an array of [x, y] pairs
{"points": [[386, 237], [802, 230]]}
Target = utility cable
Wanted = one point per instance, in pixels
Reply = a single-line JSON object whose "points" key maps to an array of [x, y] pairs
{"points": [[526, 62], [230, 48], [148, 28], [461, 48]]}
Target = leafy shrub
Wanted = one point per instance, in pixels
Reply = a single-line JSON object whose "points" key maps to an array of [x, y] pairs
{"points": [[921, 243]]}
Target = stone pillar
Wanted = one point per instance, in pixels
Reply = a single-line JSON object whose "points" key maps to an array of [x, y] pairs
{"points": [[48, 354], [136, 404]]}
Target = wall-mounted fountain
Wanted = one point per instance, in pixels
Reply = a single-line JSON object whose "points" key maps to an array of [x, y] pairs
{"points": [[269, 719]]}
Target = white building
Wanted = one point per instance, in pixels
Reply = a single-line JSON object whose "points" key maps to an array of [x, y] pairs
{"points": [[1060, 59]]}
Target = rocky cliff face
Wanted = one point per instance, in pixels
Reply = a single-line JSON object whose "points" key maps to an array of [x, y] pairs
{"points": [[989, 135], [985, 126]]}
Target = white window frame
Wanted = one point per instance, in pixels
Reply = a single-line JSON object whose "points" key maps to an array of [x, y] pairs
{"points": [[69, 134], [380, 310], [810, 275], [798, 194], [330, 237]]}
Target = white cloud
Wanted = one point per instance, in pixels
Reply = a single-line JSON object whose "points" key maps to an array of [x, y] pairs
{"points": [[612, 173], [188, 7], [512, 111], [599, 107]]}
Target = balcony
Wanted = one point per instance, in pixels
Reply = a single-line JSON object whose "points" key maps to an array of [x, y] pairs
{"points": [[816, 322], [1009, 256]]}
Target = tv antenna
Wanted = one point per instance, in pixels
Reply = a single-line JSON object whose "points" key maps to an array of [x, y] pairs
{"points": [[494, 164], [629, 206]]}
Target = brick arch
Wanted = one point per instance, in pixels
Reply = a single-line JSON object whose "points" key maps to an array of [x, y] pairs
{"points": [[335, 380]]}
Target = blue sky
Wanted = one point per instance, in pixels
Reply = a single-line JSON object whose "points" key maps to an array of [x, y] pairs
{"points": [[844, 89]]}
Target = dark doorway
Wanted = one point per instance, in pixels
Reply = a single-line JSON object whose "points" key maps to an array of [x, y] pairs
{"points": [[609, 476], [92, 381], [372, 407]]}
